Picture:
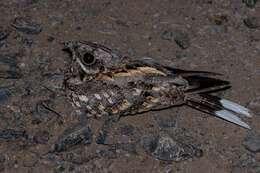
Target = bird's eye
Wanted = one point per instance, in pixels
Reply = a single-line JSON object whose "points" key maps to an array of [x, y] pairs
{"points": [[88, 59]]}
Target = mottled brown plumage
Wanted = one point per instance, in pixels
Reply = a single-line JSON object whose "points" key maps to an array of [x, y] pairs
{"points": [[102, 83]]}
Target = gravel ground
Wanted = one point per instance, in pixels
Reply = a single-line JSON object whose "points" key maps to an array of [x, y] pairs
{"points": [[38, 127]]}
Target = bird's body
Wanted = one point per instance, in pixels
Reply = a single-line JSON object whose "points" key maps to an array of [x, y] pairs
{"points": [[102, 83]]}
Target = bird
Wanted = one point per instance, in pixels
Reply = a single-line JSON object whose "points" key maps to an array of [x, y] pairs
{"points": [[100, 82]]}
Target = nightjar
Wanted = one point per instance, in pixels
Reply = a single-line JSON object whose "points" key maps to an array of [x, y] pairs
{"points": [[102, 83]]}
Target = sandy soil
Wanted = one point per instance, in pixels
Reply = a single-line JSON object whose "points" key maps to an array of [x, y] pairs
{"points": [[217, 40]]}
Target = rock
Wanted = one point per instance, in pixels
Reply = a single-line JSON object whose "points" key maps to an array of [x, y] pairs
{"points": [[75, 135], [12, 134], [4, 94], [26, 25], [252, 22], [182, 39], [255, 104], [54, 82], [220, 19], [250, 3], [167, 35], [8, 67], [166, 148], [43, 112], [3, 34], [252, 142]]}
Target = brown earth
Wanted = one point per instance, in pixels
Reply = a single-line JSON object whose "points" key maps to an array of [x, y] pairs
{"points": [[218, 41]]}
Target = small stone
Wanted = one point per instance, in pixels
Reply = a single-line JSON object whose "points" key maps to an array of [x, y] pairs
{"points": [[26, 26], [220, 19], [182, 39], [4, 94], [3, 34], [167, 35], [165, 148], [250, 3], [252, 22], [8, 67], [59, 169], [252, 142], [149, 143], [50, 39], [73, 136], [54, 82], [255, 104], [12, 134]]}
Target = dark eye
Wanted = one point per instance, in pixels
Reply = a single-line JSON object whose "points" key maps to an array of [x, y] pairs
{"points": [[88, 59]]}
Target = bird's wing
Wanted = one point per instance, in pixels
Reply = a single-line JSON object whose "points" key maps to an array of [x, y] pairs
{"points": [[147, 61], [198, 81]]}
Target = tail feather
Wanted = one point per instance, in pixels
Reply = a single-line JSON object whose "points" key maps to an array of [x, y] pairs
{"points": [[221, 108], [201, 84]]}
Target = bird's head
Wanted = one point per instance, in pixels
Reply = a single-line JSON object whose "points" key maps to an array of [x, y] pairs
{"points": [[90, 61]]}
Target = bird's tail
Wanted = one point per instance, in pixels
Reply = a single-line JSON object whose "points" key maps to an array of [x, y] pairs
{"points": [[219, 107]]}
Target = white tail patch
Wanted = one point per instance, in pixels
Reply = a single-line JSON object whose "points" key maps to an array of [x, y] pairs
{"points": [[229, 116], [235, 107]]}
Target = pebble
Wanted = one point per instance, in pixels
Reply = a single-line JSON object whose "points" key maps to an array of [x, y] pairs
{"points": [[54, 82], [75, 135], [4, 94], [182, 39], [220, 19], [12, 134], [3, 34], [167, 35], [252, 142], [252, 22], [250, 3], [26, 25], [165, 148], [8, 67], [255, 104], [42, 111]]}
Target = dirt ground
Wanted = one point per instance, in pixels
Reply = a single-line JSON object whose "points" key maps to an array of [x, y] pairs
{"points": [[215, 37]]}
